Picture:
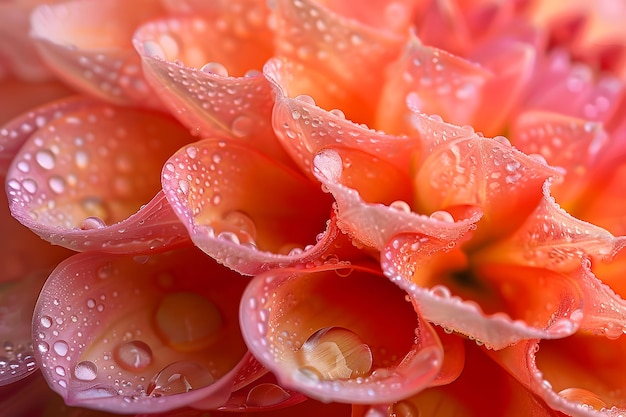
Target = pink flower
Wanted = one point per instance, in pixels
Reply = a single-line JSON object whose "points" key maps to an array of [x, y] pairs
{"points": [[306, 207]]}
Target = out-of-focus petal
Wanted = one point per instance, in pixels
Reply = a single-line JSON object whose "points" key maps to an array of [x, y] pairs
{"points": [[87, 44], [371, 222], [482, 303], [443, 25], [460, 167], [347, 42], [604, 204], [81, 176], [247, 211], [339, 333], [140, 334]]}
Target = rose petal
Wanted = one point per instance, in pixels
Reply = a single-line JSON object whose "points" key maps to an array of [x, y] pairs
{"points": [[443, 25], [440, 82], [350, 52], [285, 313], [263, 394], [87, 169], [247, 211], [460, 167], [86, 43], [374, 224], [488, 310], [144, 320], [304, 128], [604, 205]]}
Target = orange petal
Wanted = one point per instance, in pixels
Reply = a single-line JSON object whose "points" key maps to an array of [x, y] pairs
{"points": [[339, 54], [489, 313], [86, 169], [140, 334], [443, 25], [375, 224], [316, 330], [87, 44], [244, 209], [605, 200]]}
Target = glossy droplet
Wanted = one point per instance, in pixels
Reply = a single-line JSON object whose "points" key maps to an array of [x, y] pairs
{"points": [[246, 230], [242, 126], [442, 216], [45, 159], [264, 395], [335, 353], [179, 378], [188, 321], [404, 409], [215, 68], [94, 207], [86, 371], [584, 397], [56, 184], [92, 222], [46, 322], [400, 206], [60, 348], [134, 355]]}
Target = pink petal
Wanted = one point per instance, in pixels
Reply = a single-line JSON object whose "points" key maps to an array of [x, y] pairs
{"points": [[106, 319], [336, 54], [440, 82], [304, 128], [443, 26], [371, 223], [460, 167], [285, 312], [247, 211], [87, 168], [263, 394], [487, 308], [87, 44]]}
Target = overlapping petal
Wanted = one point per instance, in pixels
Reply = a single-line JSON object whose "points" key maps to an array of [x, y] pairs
{"points": [[82, 179], [141, 334], [316, 329]]}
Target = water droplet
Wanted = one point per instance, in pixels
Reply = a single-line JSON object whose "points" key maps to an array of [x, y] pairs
{"points": [[92, 222], [442, 216], [188, 321], [46, 322], [192, 151], [335, 353], [153, 49], [178, 378], [56, 184], [134, 355], [61, 347], [43, 347], [404, 409], [215, 68], [86, 371], [264, 395], [81, 159], [45, 159], [400, 206], [584, 397], [94, 207], [59, 370], [99, 391], [242, 126], [306, 99], [29, 185]]}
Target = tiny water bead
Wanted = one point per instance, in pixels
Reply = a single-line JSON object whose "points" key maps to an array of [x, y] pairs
{"points": [[334, 353], [134, 355], [584, 397], [188, 321], [179, 378]]}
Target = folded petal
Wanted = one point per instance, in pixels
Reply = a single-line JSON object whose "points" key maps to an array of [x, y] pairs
{"points": [[371, 222], [339, 332], [140, 334], [80, 178], [86, 43], [247, 211], [482, 301]]}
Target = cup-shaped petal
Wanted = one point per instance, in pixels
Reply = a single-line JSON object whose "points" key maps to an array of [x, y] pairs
{"points": [[140, 334], [339, 333]]}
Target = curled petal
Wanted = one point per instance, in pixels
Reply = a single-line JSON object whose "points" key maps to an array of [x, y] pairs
{"points": [[316, 330], [80, 178], [86, 43], [164, 324], [552, 238], [439, 82], [483, 303], [351, 51], [461, 167], [247, 211], [264, 394], [304, 128], [374, 224]]}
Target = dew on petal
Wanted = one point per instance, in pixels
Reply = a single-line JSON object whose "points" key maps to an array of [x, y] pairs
{"points": [[86, 371], [215, 68], [335, 353], [264, 395], [404, 409], [60, 347], [179, 378], [187, 321], [242, 126], [45, 159], [134, 355], [583, 397]]}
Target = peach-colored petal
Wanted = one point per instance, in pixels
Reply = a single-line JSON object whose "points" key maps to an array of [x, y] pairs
{"points": [[443, 25], [373, 223], [350, 51], [339, 333], [460, 167], [87, 44], [604, 204], [440, 82], [140, 334], [247, 211], [488, 310], [80, 178], [304, 128]]}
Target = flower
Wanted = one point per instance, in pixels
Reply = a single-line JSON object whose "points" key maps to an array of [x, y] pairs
{"points": [[404, 208]]}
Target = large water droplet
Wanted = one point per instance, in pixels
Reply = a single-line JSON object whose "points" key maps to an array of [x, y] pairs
{"points": [[242, 126], [86, 371], [264, 395], [178, 378], [215, 68], [60, 347], [583, 396], [188, 321], [134, 355], [56, 184], [45, 159], [335, 353]]}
